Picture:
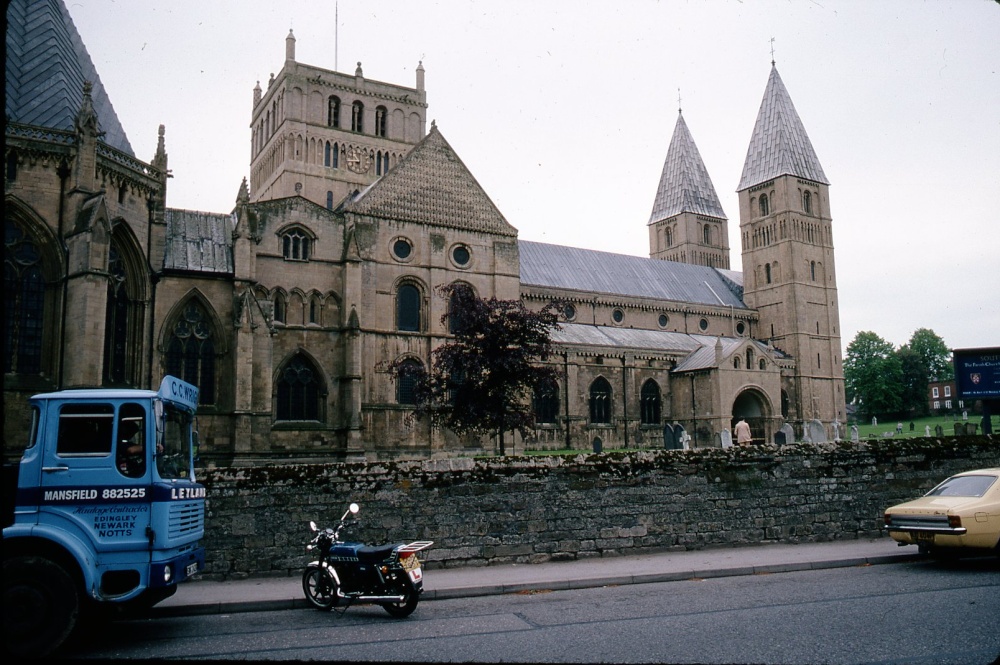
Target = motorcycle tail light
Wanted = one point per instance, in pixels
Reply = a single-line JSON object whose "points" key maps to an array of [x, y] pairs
{"points": [[403, 555], [385, 569]]}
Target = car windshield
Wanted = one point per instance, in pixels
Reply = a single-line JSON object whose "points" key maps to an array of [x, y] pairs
{"points": [[964, 486]]}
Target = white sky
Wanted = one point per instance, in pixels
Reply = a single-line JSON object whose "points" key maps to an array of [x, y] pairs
{"points": [[563, 110]]}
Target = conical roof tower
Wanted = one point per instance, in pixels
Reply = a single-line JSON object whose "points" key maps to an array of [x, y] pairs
{"points": [[687, 223], [779, 144]]}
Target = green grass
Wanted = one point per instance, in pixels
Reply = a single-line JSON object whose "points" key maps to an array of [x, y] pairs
{"points": [[866, 430]]}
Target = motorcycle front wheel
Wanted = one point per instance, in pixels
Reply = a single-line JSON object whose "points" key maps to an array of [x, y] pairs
{"points": [[319, 587], [405, 607]]}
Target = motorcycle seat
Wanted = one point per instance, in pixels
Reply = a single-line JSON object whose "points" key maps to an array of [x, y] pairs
{"points": [[375, 554]]}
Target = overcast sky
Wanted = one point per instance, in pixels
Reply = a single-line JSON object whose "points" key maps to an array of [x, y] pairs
{"points": [[563, 110]]}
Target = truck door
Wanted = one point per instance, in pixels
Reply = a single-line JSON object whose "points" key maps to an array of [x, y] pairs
{"points": [[96, 478]]}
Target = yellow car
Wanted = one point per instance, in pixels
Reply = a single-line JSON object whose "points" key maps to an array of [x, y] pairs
{"points": [[962, 512]]}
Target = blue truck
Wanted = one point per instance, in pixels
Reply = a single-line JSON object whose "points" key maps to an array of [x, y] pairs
{"points": [[102, 511]]}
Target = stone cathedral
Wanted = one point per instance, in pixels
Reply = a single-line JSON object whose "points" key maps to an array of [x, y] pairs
{"points": [[287, 310]]}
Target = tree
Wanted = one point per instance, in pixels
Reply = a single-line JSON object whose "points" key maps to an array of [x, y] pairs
{"points": [[914, 372], [482, 381], [873, 375], [934, 353]]}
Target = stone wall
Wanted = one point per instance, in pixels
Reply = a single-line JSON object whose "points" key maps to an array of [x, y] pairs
{"points": [[536, 509]]}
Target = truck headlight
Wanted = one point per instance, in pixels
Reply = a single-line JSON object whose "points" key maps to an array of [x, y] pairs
{"points": [[168, 574]]}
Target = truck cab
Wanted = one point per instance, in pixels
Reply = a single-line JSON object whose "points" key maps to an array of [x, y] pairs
{"points": [[106, 511]]}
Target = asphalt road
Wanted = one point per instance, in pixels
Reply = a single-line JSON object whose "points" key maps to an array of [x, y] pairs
{"points": [[921, 612]]}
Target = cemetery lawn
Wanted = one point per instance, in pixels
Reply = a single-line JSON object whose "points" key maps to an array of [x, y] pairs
{"points": [[867, 430]]}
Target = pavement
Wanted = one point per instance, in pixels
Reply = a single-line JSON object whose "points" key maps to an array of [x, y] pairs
{"points": [[257, 594]]}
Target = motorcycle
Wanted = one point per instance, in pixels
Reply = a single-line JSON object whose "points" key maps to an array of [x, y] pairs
{"points": [[346, 573]]}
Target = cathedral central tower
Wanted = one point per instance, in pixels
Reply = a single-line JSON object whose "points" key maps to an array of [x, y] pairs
{"points": [[321, 134]]}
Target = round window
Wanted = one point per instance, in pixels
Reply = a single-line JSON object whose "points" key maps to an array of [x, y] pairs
{"points": [[402, 248], [663, 320], [460, 255], [703, 324], [569, 312], [741, 328], [618, 316]]}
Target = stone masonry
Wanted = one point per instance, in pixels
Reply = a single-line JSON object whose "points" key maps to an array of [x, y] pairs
{"points": [[493, 511]]}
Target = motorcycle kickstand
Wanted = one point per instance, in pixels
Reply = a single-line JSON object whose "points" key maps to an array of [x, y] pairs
{"points": [[340, 612]]}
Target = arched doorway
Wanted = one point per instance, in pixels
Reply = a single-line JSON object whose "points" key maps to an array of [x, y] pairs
{"points": [[754, 407]]}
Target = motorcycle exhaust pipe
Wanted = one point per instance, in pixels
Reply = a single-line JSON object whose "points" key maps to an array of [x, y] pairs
{"points": [[375, 599]]}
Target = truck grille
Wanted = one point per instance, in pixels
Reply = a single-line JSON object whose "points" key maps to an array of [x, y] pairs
{"points": [[186, 518]]}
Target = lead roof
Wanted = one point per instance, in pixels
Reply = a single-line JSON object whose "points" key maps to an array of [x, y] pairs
{"points": [[575, 269], [684, 183], [199, 241], [46, 67], [779, 144]]}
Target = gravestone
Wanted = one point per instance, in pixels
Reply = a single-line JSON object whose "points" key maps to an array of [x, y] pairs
{"points": [[959, 429], [970, 429], [912, 425], [938, 430], [854, 433], [836, 430], [598, 444], [779, 438], [817, 433], [725, 438], [965, 415], [682, 436], [668, 436], [874, 421], [789, 433], [927, 430]]}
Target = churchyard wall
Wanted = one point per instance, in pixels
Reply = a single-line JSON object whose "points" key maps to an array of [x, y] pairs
{"points": [[536, 509]]}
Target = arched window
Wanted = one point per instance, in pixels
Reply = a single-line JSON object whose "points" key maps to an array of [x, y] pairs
{"points": [[406, 382], [336, 156], [357, 117], [333, 112], [298, 391], [314, 310], [649, 403], [329, 200], [327, 156], [707, 233], [670, 236], [378, 163], [380, 120], [600, 401], [807, 203], [385, 163], [295, 245], [765, 207], [767, 272], [545, 402], [191, 351], [812, 270], [24, 300], [749, 358], [736, 362], [280, 308], [118, 323], [408, 308], [453, 302]]}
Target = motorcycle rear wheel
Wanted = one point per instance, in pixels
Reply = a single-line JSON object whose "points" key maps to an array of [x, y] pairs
{"points": [[404, 608], [319, 588]]}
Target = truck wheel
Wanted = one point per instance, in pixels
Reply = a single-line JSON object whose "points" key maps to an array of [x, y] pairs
{"points": [[40, 606]]}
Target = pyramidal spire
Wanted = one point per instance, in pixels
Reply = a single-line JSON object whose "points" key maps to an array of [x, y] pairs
{"points": [[779, 144], [684, 182]]}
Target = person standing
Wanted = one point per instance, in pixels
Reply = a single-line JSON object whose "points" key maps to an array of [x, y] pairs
{"points": [[742, 432]]}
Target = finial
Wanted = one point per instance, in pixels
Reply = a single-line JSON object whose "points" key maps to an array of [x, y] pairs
{"points": [[772, 51], [679, 110]]}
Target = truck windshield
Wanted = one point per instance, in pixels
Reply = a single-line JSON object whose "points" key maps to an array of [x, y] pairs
{"points": [[173, 451]]}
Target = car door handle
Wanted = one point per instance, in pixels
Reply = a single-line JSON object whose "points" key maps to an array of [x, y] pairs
{"points": [[51, 469]]}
